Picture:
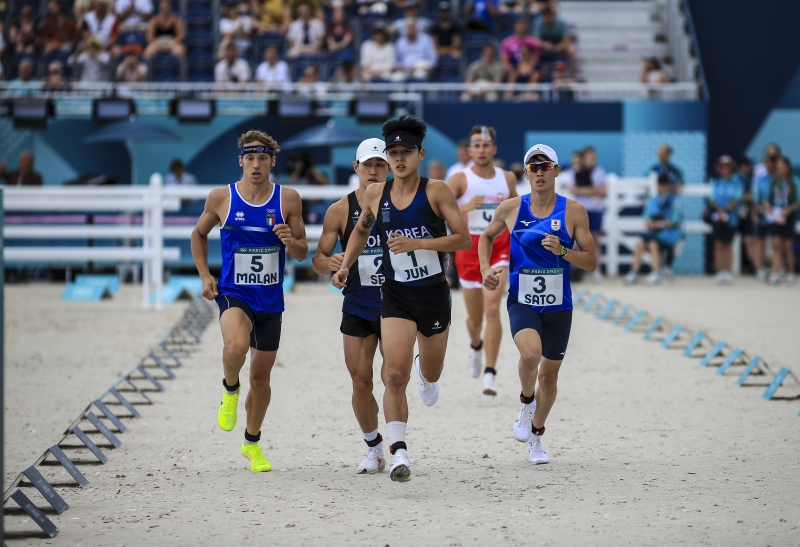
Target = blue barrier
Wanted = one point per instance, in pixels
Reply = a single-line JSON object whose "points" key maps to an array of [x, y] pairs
{"points": [[622, 314], [653, 327], [92, 293], [579, 297], [111, 282], [192, 283], [592, 301], [748, 371], [635, 319], [729, 361], [694, 343], [711, 354], [776, 383], [671, 336], [607, 309]]}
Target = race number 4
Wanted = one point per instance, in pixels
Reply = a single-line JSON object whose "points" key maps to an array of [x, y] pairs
{"points": [[257, 265], [541, 286], [478, 219], [415, 265]]}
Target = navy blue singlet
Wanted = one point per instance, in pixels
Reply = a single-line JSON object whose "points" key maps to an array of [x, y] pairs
{"points": [[362, 292]]}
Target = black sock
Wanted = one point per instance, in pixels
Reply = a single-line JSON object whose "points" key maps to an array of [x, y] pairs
{"points": [[526, 400], [251, 438], [480, 346], [230, 388], [490, 370]]}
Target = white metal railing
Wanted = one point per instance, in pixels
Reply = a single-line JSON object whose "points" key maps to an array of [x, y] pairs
{"points": [[680, 42]]}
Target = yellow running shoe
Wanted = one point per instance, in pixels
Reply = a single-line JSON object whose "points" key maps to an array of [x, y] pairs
{"points": [[226, 415], [258, 462]]}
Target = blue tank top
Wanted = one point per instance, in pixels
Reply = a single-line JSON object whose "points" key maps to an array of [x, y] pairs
{"points": [[537, 277], [420, 267], [253, 257], [362, 292]]}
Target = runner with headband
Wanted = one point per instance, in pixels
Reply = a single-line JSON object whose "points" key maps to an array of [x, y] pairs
{"points": [[545, 228], [260, 221]]}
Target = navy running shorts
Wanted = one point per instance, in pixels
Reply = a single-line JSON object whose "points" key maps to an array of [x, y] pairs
{"points": [[553, 327], [266, 332], [354, 325], [595, 221]]}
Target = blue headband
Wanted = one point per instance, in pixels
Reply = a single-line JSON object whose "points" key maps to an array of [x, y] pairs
{"points": [[256, 150]]}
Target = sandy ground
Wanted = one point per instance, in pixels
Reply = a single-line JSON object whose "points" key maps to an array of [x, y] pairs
{"points": [[647, 448]]}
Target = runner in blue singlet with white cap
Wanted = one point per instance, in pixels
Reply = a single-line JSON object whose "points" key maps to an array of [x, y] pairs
{"points": [[259, 223], [361, 322], [545, 229]]}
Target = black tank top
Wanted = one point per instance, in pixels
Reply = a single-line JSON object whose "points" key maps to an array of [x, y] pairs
{"points": [[165, 31], [362, 291]]}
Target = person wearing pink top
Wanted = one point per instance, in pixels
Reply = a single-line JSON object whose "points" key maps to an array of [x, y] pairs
{"points": [[511, 47]]}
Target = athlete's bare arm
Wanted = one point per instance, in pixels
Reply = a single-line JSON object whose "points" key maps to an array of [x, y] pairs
{"points": [[499, 224], [216, 203], [360, 234], [293, 232], [444, 206], [324, 260], [458, 185], [511, 180], [585, 256]]}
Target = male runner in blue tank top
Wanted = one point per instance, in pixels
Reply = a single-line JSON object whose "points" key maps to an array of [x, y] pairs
{"points": [[361, 308], [544, 230], [259, 222], [410, 212]]}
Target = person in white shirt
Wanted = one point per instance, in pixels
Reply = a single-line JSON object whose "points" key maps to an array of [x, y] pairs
{"points": [[590, 191], [411, 14], [305, 35], [232, 69], [178, 175], [235, 27], [273, 70], [416, 55], [378, 56], [464, 159], [133, 14], [101, 24]]}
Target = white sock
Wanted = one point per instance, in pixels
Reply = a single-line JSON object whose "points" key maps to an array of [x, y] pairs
{"points": [[397, 433], [370, 436]]}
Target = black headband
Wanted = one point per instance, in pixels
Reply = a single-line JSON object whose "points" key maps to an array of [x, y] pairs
{"points": [[257, 150]]}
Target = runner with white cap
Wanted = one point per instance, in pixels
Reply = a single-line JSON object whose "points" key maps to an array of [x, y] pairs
{"points": [[361, 327], [545, 228], [479, 189]]}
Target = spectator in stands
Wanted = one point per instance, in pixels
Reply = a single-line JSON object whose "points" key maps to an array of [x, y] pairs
{"points": [[664, 166], [480, 14], [24, 175], [662, 214], [436, 170], [511, 47], [272, 70], [590, 191], [561, 83], [379, 7], [232, 69], [165, 33], [270, 16], [309, 80], [79, 9], [780, 207], [524, 73], [90, 63], [446, 33], [464, 161], [568, 172], [100, 24], [234, 27], [131, 69], [378, 57], [345, 74], [653, 72], [22, 36], [554, 38], [24, 84], [416, 55], [749, 221], [55, 78], [511, 6], [722, 213], [486, 70], [178, 175], [133, 15], [339, 34], [410, 13], [305, 34], [2, 47], [303, 171], [58, 32]]}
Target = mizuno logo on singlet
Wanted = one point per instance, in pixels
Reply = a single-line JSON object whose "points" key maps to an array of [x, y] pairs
{"points": [[527, 222]]}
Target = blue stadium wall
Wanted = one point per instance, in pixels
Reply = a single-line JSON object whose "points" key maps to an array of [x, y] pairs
{"points": [[626, 135]]}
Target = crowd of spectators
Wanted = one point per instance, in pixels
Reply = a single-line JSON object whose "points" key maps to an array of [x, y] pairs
{"points": [[495, 41]]}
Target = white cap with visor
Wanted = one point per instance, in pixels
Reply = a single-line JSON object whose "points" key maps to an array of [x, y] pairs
{"points": [[371, 148], [543, 150]]}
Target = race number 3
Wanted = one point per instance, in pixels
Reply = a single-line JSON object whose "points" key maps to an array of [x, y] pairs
{"points": [[257, 265], [369, 267], [541, 286], [415, 265]]}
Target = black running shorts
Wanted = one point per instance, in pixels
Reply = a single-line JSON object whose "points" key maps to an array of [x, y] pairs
{"points": [[266, 332], [427, 306], [353, 325]]}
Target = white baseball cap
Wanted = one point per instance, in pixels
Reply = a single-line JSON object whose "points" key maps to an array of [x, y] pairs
{"points": [[542, 149], [371, 148]]}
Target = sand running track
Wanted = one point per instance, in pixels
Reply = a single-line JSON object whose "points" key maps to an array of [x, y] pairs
{"points": [[647, 448]]}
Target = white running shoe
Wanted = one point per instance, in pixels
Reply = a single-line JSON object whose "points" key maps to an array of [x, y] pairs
{"points": [[728, 277], [401, 468], [720, 277], [475, 363], [429, 391], [630, 279], [668, 274], [762, 275], [536, 450], [524, 423], [789, 279], [374, 462], [488, 384], [653, 278], [774, 279]]}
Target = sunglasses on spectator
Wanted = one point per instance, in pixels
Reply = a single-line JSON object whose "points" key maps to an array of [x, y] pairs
{"points": [[545, 166]]}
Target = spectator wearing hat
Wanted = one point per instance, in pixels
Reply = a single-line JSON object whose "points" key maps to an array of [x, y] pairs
{"points": [[664, 166], [272, 70], [410, 13], [446, 33], [178, 175], [378, 57], [305, 34], [511, 47], [24, 175], [416, 55], [24, 84], [58, 32], [722, 213], [235, 26], [480, 14], [232, 69], [555, 38], [133, 14], [662, 217], [55, 78], [92, 64], [131, 69]]}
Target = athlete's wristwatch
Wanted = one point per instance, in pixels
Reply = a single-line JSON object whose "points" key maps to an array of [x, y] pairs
{"points": [[564, 251]]}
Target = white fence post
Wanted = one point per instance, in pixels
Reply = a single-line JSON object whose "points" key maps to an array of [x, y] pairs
{"points": [[148, 231], [612, 230], [157, 220]]}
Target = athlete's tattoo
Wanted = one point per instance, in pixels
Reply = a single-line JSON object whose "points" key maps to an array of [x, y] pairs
{"points": [[368, 221]]}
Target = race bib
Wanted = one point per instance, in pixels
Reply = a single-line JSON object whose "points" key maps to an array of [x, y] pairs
{"points": [[369, 266], [479, 219], [541, 286], [415, 265], [257, 265]]}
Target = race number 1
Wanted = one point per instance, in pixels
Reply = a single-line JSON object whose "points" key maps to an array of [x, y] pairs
{"points": [[257, 265], [541, 286], [415, 265]]}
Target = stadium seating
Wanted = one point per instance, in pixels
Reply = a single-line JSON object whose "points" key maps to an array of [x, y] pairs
{"points": [[200, 70], [165, 68]]}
